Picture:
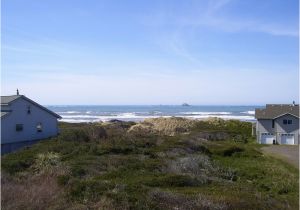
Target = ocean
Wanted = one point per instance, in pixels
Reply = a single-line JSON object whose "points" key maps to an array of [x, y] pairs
{"points": [[93, 113]]}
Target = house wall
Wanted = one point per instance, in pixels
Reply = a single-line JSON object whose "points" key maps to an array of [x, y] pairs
{"points": [[288, 128], [265, 126], [19, 115]]}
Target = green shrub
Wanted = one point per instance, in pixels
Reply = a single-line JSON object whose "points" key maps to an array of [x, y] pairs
{"points": [[74, 135], [231, 150], [63, 179], [78, 171], [265, 187], [227, 173], [17, 162], [45, 161], [171, 180], [88, 190], [284, 190]]}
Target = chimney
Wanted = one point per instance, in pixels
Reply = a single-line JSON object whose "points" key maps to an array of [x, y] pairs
{"points": [[17, 92], [294, 103]]}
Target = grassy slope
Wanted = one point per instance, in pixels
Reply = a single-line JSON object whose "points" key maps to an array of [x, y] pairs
{"points": [[107, 167]]}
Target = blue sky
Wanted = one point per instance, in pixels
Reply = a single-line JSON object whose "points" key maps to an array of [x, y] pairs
{"points": [[218, 52]]}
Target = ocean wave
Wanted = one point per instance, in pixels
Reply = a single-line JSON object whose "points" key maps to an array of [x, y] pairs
{"points": [[206, 113], [79, 116], [105, 118], [69, 112], [127, 114], [225, 117], [79, 120], [249, 112], [133, 117]]}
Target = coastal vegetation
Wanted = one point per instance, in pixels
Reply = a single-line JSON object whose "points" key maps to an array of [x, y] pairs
{"points": [[163, 163]]}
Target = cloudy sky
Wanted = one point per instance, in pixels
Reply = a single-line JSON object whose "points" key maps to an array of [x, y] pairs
{"points": [[218, 52]]}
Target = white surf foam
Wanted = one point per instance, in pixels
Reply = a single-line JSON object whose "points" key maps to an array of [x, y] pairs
{"points": [[79, 120], [249, 112], [79, 116], [225, 117], [205, 113], [69, 112], [133, 117]]}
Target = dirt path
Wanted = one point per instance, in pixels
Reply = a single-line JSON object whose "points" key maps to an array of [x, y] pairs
{"points": [[289, 153]]}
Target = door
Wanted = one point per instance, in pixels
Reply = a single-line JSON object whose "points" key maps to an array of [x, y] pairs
{"points": [[267, 138], [287, 138]]}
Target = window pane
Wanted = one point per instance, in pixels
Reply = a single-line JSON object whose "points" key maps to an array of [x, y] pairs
{"points": [[39, 127], [19, 127], [285, 122], [290, 121]]}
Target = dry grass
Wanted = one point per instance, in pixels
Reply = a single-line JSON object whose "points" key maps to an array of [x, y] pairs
{"points": [[168, 200], [90, 168], [37, 192], [163, 126], [36, 188]]}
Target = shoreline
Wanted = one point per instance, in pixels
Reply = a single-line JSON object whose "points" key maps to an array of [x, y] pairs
{"points": [[137, 120]]}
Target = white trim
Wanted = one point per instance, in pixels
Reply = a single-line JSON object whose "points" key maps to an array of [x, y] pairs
{"points": [[287, 113]]}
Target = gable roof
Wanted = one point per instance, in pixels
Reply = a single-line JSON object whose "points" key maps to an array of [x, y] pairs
{"points": [[273, 111], [7, 100]]}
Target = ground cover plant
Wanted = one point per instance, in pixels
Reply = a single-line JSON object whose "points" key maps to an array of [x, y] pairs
{"points": [[160, 163]]}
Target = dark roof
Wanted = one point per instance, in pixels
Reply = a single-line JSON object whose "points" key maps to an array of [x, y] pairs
{"points": [[9, 99], [273, 111], [4, 113], [6, 100]]}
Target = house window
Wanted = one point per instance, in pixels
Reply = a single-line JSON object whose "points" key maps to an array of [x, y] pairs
{"points": [[290, 122], [28, 110], [19, 127], [284, 122], [39, 127]]}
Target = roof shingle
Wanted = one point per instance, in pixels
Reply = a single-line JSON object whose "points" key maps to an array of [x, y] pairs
{"points": [[8, 99], [273, 111]]}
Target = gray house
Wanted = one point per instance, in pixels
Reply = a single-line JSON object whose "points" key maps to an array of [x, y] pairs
{"points": [[24, 122], [278, 123]]}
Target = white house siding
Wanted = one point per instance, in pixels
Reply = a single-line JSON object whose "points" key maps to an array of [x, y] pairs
{"points": [[19, 115], [263, 126], [288, 128]]}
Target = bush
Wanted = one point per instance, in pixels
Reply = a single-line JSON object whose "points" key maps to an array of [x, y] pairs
{"points": [[78, 134], [170, 200], [194, 165], [46, 162], [17, 162], [163, 126], [63, 179], [231, 150], [84, 133], [95, 132], [14, 166], [172, 180], [77, 171], [227, 173], [88, 190]]}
